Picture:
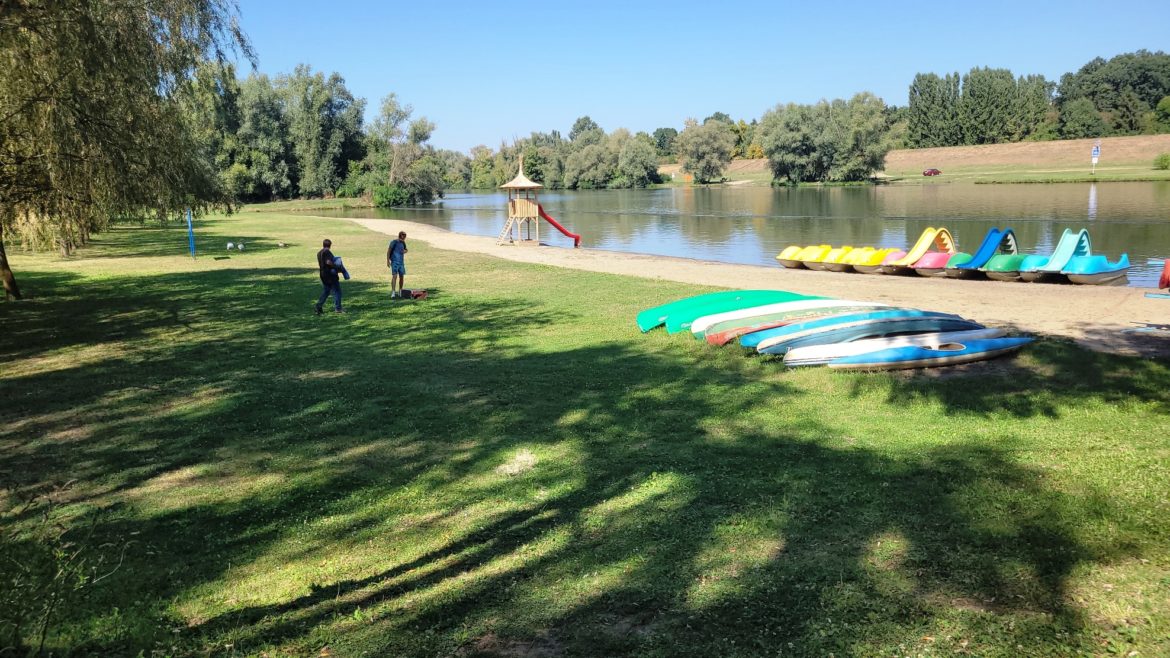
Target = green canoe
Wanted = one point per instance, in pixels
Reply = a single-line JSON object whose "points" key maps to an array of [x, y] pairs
{"points": [[656, 316], [679, 318]]}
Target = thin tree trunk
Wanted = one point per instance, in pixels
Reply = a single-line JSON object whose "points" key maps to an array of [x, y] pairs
{"points": [[11, 290]]}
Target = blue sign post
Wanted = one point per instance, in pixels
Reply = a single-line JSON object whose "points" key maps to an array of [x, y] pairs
{"points": [[190, 234]]}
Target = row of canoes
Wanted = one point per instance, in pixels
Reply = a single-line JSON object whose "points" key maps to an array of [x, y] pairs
{"points": [[998, 257], [839, 333]]}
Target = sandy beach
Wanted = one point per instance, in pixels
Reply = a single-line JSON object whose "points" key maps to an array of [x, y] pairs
{"points": [[1096, 317]]}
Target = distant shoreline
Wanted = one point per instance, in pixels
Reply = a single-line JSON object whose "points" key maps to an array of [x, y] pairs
{"points": [[1123, 159]]}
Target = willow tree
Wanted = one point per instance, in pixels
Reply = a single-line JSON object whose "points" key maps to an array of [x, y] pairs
{"points": [[91, 127]]}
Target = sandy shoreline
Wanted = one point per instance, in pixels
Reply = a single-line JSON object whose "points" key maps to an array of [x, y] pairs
{"points": [[1095, 317]]}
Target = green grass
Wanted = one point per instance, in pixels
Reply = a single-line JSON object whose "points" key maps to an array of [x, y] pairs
{"points": [[985, 174], [510, 469], [305, 205]]}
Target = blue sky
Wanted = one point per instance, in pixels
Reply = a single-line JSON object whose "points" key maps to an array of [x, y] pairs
{"points": [[486, 72]]}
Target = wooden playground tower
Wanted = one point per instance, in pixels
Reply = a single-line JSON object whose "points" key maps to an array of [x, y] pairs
{"points": [[523, 210]]}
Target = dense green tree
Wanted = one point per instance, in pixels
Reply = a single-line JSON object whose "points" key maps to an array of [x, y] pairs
{"points": [[1079, 118], [638, 162], [664, 141], [1144, 74], [265, 153], [862, 138], [457, 167], [324, 124], [1033, 102], [1125, 117], [924, 111], [588, 168], [987, 106], [210, 99], [582, 125], [705, 149], [932, 113], [482, 177], [793, 139], [830, 141], [720, 116], [92, 126], [1162, 114], [400, 167]]}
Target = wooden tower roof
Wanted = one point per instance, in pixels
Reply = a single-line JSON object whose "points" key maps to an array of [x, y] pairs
{"points": [[520, 182]]}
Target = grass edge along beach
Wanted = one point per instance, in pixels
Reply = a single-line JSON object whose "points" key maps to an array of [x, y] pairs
{"points": [[510, 468]]}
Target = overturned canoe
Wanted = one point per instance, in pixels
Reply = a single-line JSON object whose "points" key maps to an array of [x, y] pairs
{"points": [[926, 356]]}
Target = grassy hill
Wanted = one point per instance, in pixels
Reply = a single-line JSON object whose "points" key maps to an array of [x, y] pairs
{"points": [[1122, 158]]}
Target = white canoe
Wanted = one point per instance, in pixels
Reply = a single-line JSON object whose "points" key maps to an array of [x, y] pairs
{"points": [[701, 324], [816, 355]]}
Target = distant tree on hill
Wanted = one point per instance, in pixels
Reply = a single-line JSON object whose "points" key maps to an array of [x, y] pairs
{"points": [[664, 141], [987, 105], [705, 149], [1162, 115], [1123, 89], [1080, 119], [719, 116], [582, 125], [932, 114]]}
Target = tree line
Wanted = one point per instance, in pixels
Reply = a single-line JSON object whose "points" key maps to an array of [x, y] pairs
{"points": [[1126, 95]]}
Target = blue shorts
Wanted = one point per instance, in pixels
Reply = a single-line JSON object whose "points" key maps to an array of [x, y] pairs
{"points": [[397, 267]]}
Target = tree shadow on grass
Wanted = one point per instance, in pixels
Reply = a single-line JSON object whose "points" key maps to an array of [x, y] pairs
{"points": [[151, 241], [648, 518]]}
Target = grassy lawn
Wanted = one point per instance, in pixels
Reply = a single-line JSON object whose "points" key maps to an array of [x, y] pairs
{"points": [[509, 468], [1030, 174]]}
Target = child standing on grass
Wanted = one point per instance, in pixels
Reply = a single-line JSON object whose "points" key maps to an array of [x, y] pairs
{"points": [[396, 261]]}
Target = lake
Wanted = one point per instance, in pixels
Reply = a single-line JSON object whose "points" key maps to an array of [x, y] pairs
{"points": [[752, 224]]}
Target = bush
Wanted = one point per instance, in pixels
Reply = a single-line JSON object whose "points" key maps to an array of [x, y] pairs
{"points": [[1162, 161], [388, 196]]}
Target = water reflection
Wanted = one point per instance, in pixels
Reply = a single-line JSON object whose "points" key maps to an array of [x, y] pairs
{"points": [[752, 224]]}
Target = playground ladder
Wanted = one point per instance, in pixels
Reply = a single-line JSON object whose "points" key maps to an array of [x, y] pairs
{"points": [[506, 234]]}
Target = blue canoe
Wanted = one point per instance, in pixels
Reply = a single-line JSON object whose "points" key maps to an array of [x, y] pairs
{"points": [[916, 356], [754, 339], [864, 330], [1097, 270]]}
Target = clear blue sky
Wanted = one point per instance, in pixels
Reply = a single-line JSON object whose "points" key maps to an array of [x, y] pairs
{"points": [[484, 73]]}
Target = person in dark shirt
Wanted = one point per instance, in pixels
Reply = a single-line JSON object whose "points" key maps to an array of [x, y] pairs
{"points": [[328, 278]]}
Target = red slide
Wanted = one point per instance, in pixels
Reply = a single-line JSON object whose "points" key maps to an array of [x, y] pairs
{"points": [[1163, 281], [562, 229]]}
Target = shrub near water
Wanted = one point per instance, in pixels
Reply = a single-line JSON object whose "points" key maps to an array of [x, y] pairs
{"points": [[1162, 161]]}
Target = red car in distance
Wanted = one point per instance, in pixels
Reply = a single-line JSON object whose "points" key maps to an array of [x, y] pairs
{"points": [[932, 172]]}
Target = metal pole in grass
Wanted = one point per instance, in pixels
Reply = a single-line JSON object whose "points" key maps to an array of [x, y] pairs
{"points": [[190, 235]]}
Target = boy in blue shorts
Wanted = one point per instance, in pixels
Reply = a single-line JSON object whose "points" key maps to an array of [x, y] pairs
{"points": [[395, 260]]}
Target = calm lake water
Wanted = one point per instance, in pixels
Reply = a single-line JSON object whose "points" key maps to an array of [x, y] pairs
{"points": [[752, 224]]}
